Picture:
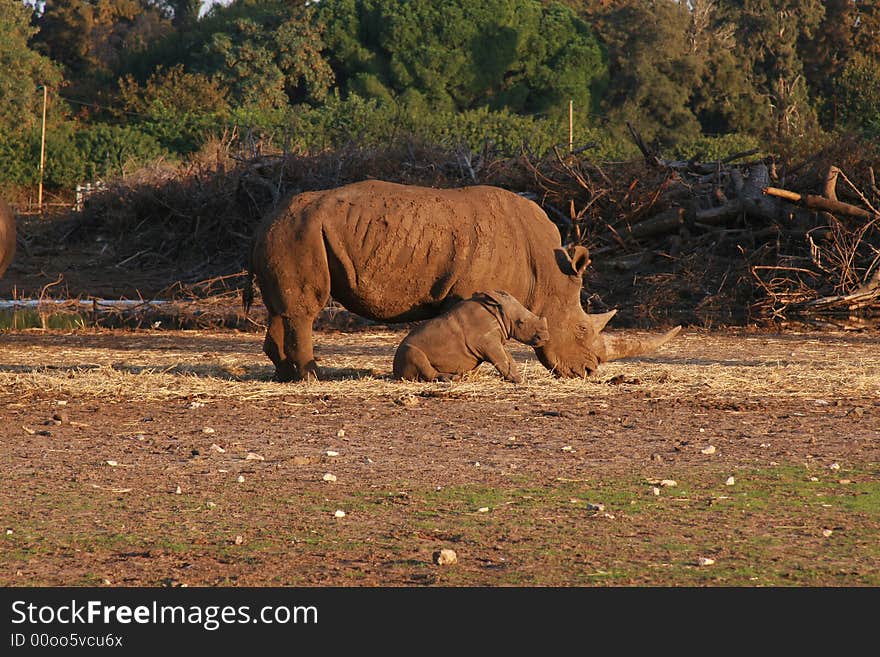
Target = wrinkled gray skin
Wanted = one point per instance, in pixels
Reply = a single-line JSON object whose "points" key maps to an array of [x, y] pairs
{"points": [[473, 331], [400, 253], [7, 236]]}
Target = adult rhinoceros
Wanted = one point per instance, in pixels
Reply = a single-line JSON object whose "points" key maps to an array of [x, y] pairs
{"points": [[7, 236], [398, 253]]}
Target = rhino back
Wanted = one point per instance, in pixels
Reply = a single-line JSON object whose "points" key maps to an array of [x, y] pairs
{"points": [[402, 253]]}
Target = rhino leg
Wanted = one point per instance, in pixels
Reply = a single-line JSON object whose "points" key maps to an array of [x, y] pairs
{"points": [[288, 345], [273, 347], [298, 347], [411, 364], [506, 366]]}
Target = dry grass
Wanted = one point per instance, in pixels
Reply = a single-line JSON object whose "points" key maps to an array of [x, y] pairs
{"points": [[216, 365]]}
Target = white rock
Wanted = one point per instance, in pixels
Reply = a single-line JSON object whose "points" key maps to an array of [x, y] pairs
{"points": [[207, 430], [835, 466], [730, 481], [655, 490], [9, 532], [339, 513], [567, 448], [705, 561], [340, 433], [329, 477], [708, 450], [595, 507], [112, 464], [217, 448], [106, 582], [240, 479], [196, 404], [61, 402], [178, 490], [331, 452], [239, 540], [253, 456], [210, 505], [702, 430], [814, 478], [445, 557], [827, 532], [483, 509], [669, 483]]}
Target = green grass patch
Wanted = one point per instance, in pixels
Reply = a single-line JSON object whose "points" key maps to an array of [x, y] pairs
{"points": [[773, 527]]}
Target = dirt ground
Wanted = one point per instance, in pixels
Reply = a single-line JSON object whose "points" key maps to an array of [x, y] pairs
{"points": [[170, 458]]}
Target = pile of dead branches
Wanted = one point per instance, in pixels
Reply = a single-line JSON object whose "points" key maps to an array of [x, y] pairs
{"points": [[749, 237], [809, 232]]}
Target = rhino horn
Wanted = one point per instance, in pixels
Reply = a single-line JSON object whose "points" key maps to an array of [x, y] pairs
{"points": [[600, 320], [622, 347]]}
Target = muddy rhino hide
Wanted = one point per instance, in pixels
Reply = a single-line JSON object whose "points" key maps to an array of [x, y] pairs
{"points": [[471, 332], [404, 253], [7, 236]]}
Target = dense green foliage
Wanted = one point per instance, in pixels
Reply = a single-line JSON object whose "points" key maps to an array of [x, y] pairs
{"points": [[134, 80], [458, 55]]}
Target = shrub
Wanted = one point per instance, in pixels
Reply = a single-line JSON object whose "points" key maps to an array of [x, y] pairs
{"points": [[115, 150]]}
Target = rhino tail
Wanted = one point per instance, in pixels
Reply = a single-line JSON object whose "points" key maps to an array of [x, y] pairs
{"points": [[617, 346]]}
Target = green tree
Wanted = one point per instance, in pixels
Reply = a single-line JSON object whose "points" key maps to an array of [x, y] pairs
{"points": [[456, 55], [723, 98], [184, 13], [653, 66], [267, 52], [94, 40], [24, 72], [770, 36], [175, 89], [826, 54], [114, 150], [178, 108], [858, 91], [867, 28]]}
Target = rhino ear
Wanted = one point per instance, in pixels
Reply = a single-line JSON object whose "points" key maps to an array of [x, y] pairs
{"points": [[498, 296], [580, 257], [573, 259]]}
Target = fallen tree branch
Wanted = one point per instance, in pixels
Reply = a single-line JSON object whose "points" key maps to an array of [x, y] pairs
{"points": [[720, 214], [859, 192], [667, 221], [820, 203], [854, 301]]}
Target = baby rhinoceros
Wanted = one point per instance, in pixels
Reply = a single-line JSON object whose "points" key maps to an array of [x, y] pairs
{"points": [[473, 331]]}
